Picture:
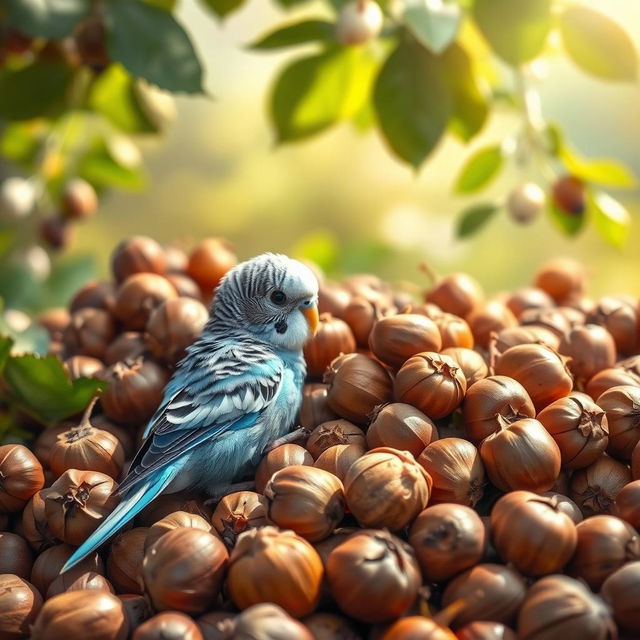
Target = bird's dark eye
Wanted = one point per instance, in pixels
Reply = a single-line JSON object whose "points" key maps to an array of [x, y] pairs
{"points": [[278, 297]]}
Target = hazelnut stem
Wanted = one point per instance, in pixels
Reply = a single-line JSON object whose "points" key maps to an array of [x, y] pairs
{"points": [[430, 272], [423, 598], [86, 416], [447, 615]]}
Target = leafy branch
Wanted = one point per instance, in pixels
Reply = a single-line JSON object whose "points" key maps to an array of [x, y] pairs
{"points": [[39, 387], [81, 79]]}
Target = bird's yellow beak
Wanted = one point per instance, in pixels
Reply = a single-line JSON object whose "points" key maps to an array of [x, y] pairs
{"points": [[312, 316]]}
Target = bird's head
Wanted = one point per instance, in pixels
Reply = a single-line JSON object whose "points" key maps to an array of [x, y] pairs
{"points": [[273, 297]]}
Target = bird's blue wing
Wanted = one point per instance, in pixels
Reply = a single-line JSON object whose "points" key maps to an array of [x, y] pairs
{"points": [[214, 392]]}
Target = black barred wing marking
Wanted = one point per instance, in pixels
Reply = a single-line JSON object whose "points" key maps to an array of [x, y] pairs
{"points": [[208, 397]]}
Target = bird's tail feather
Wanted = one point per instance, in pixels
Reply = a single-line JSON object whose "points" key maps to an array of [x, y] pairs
{"points": [[130, 506]]}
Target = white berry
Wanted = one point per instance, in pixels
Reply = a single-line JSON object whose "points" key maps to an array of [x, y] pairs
{"points": [[37, 260], [358, 22], [17, 198], [525, 202]]}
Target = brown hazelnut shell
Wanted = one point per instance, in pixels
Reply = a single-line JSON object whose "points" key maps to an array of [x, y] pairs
{"points": [[456, 469], [236, 513], [471, 362], [374, 576], [135, 390], [401, 426], [138, 254], [209, 261], [175, 520], [333, 338], [386, 488], [184, 570], [394, 339], [77, 503], [558, 606], [332, 433], [357, 384], [99, 614], [283, 456], [269, 565], [307, 500], [173, 326], [579, 427], [431, 382], [168, 625], [124, 562], [491, 400], [605, 543], [522, 455], [532, 533], [138, 296], [490, 592], [447, 539], [16, 556], [48, 564], [20, 604], [21, 476]]}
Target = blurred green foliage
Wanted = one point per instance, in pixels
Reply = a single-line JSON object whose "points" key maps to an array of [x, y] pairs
{"points": [[79, 96], [39, 387]]}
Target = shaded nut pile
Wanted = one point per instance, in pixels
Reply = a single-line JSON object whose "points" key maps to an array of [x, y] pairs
{"points": [[476, 457]]}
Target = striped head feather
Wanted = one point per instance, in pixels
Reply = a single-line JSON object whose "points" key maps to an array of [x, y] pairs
{"points": [[271, 296]]}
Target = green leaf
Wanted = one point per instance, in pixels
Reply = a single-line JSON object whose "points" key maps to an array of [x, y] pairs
{"points": [[475, 217], [597, 44], [554, 139], [19, 142], [101, 169], [470, 107], [18, 284], [611, 219], [479, 169], [432, 22], [604, 171], [412, 102], [297, 33], [165, 5], [114, 96], [41, 387], [7, 240], [387, 6], [597, 170], [33, 90], [34, 339], [319, 246], [6, 344], [516, 31], [287, 4], [46, 18], [365, 119], [222, 8], [569, 223], [313, 93], [151, 44]]}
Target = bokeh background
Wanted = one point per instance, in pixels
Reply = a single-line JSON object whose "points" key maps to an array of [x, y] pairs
{"points": [[341, 196]]}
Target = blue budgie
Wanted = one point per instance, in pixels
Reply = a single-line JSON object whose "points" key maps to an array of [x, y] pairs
{"points": [[237, 389]]}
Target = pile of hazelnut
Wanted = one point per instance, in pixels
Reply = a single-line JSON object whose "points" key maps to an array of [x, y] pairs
{"points": [[466, 467]]}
